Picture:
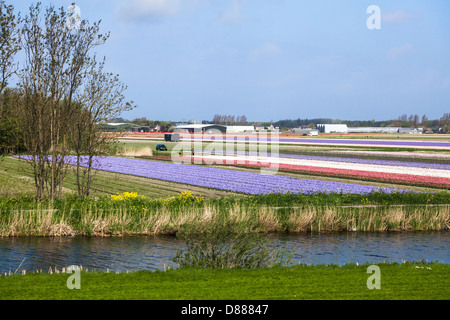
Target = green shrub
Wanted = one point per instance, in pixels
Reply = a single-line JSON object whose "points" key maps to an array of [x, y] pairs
{"points": [[219, 247]]}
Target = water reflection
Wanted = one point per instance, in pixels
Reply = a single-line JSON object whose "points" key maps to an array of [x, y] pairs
{"points": [[152, 253], [116, 253], [340, 248]]}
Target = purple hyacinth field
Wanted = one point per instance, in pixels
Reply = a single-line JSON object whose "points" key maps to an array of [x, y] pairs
{"points": [[223, 179]]}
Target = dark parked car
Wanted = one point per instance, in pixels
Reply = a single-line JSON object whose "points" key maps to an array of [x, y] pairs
{"points": [[161, 147]]}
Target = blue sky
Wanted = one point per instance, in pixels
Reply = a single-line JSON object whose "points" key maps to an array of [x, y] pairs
{"points": [[275, 59]]}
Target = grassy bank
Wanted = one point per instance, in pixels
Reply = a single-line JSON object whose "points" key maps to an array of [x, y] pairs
{"points": [[131, 214], [398, 281]]}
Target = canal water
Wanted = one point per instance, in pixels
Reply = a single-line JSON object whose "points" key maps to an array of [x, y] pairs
{"points": [[132, 253]]}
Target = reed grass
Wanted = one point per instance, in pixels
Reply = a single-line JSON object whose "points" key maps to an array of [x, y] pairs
{"points": [[97, 220], [39, 222], [137, 152]]}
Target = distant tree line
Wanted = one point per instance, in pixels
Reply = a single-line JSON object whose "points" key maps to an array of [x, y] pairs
{"points": [[229, 119], [143, 121], [405, 121], [303, 122], [444, 122], [63, 93]]}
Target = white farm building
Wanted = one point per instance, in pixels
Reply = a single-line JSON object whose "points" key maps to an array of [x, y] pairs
{"points": [[373, 129], [240, 129], [331, 128], [214, 128]]}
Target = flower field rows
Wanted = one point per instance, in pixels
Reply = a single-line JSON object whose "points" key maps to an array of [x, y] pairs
{"points": [[358, 174], [379, 162], [405, 172], [425, 165], [231, 180], [391, 143], [374, 167], [318, 141]]}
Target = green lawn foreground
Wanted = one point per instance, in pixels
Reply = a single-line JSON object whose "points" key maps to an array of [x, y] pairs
{"points": [[406, 281]]}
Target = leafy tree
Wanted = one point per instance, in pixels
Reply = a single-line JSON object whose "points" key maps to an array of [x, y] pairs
{"points": [[10, 134], [9, 43], [9, 46]]}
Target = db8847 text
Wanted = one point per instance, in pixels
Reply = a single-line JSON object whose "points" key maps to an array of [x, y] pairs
{"points": [[243, 309]]}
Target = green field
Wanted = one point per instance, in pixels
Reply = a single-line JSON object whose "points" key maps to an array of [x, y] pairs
{"points": [[407, 281], [16, 180]]}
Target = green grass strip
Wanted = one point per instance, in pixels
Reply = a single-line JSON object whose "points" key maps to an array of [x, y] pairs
{"points": [[407, 281]]}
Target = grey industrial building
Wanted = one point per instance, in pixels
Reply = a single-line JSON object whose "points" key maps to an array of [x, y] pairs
{"points": [[201, 128], [211, 128], [342, 128]]}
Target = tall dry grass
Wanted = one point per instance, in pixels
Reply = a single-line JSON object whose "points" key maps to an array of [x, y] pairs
{"points": [[143, 152], [39, 222], [163, 220]]}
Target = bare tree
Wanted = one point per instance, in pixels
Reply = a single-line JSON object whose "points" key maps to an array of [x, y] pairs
{"points": [[229, 120], [411, 120], [102, 100], [403, 117], [444, 122], [57, 60], [216, 119], [242, 120], [424, 121], [416, 120]]}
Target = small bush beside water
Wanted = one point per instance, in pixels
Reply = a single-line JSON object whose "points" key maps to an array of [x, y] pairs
{"points": [[217, 246]]}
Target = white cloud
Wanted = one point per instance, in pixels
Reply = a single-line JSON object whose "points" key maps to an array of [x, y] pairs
{"points": [[268, 49], [398, 16], [233, 14], [146, 9], [400, 51]]}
